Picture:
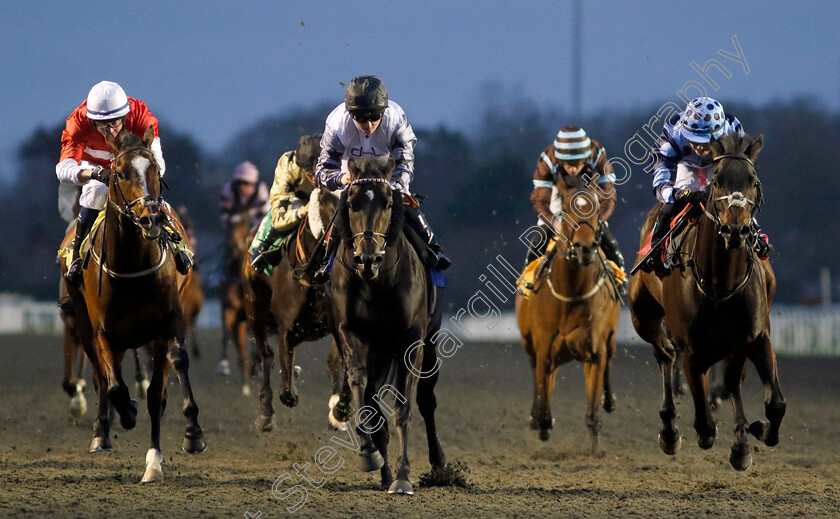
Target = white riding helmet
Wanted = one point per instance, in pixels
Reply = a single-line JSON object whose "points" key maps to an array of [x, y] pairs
{"points": [[246, 172], [702, 120], [106, 100]]}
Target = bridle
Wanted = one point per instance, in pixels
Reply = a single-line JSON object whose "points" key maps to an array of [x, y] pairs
{"points": [[736, 199], [368, 234], [127, 208]]}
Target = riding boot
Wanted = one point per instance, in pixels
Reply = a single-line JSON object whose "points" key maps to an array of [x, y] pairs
{"points": [[322, 275], [83, 225], [610, 246], [258, 259], [762, 244], [660, 229], [539, 243], [435, 256]]}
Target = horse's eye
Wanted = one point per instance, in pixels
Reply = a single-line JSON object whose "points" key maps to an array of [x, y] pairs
{"points": [[713, 183], [757, 184]]}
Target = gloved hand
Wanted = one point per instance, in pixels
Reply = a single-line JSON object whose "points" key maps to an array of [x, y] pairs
{"points": [[690, 197], [101, 174]]}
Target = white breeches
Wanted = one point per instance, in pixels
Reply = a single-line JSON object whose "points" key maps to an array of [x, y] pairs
{"points": [[94, 195]]}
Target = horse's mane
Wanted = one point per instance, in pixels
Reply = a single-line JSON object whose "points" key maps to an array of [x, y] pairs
{"points": [[128, 139]]}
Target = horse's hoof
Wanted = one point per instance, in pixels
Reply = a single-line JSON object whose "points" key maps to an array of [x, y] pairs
{"points": [[246, 390], [740, 457], [609, 404], [544, 435], [759, 429], [223, 368], [334, 399], [401, 486], [100, 444], [337, 424], [78, 406], [264, 423], [195, 445], [706, 442], [534, 424], [289, 399], [370, 462], [154, 472], [670, 448], [129, 419]]}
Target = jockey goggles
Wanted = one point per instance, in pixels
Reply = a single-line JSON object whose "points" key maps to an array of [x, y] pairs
{"points": [[367, 116]]}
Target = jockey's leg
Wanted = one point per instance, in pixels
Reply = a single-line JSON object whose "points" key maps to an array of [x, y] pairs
{"points": [[421, 226], [660, 229], [610, 246], [762, 244], [539, 243], [323, 273], [264, 238], [83, 225]]}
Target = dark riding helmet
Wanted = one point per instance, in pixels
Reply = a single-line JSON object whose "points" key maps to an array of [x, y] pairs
{"points": [[308, 150], [366, 94]]}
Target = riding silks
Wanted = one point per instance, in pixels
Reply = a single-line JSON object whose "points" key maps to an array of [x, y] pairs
{"points": [[272, 253], [67, 252], [534, 270]]}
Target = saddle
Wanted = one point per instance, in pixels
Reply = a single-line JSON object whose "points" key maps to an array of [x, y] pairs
{"points": [[672, 242]]}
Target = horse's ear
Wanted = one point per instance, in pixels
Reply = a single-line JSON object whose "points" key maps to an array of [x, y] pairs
{"points": [[112, 143], [149, 136], [715, 147], [754, 148], [352, 168]]}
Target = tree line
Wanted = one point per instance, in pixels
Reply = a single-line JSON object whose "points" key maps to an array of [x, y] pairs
{"points": [[477, 183]]}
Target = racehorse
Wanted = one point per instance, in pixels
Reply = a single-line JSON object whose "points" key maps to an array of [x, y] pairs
{"points": [[715, 305], [73, 382], [386, 315], [572, 314], [232, 298], [130, 297], [280, 304]]}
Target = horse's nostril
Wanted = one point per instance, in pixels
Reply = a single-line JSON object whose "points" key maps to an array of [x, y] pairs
{"points": [[377, 260], [145, 221], [725, 229], [744, 232], [358, 260]]}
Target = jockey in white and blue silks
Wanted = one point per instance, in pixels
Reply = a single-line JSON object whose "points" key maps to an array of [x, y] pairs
{"points": [[681, 169], [369, 124]]}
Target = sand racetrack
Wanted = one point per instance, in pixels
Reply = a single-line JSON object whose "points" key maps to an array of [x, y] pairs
{"points": [[484, 396]]}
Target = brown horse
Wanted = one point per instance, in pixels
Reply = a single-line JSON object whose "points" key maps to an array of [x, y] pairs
{"points": [[572, 314], [715, 305], [130, 297], [386, 314], [232, 298], [73, 382], [281, 304]]}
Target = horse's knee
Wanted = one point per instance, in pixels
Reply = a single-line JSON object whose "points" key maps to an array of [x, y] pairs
{"points": [[179, 358]]}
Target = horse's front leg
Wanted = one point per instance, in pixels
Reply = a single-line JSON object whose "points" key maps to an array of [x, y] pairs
{"points": [[544, 370], [228, 318], [156, 404], [354, 354], [193, 437], [593, 371], [265, 420], [404, 384], [341, 401], [670, 440], [111, 364], [287, 350], [763, 357], [240, 334], [733, 378], [696, 370], [427, 403], [609, 396], [73, 383]]}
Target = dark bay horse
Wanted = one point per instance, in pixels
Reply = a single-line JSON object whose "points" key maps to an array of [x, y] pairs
{"points": [[572, 314], [280, 304], [716, 306], [131, 296], [232, 298], [386, 314]]}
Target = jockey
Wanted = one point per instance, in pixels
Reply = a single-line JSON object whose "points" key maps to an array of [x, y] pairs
{"points": [[682, 168], [86, 158], [573, 158], [294, 181], [243, 193], [368, 123]]}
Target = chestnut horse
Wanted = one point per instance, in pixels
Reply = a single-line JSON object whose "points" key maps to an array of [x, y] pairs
{"points": [[232, 298], [280, 304], [130, 297], [572, 314], [386, 314], [715, 305]]}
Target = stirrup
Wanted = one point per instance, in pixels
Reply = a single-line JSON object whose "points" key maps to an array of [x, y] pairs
{"points": [[74, 274], [322, 275]]}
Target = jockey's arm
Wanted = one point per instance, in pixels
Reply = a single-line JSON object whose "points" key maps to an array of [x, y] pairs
{"points": [[543, 182], [606, 200], [328, 169], [402, 149], [282, 196]]}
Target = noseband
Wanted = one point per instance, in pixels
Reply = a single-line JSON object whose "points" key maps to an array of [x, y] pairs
{"points": [[126, 207]]}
